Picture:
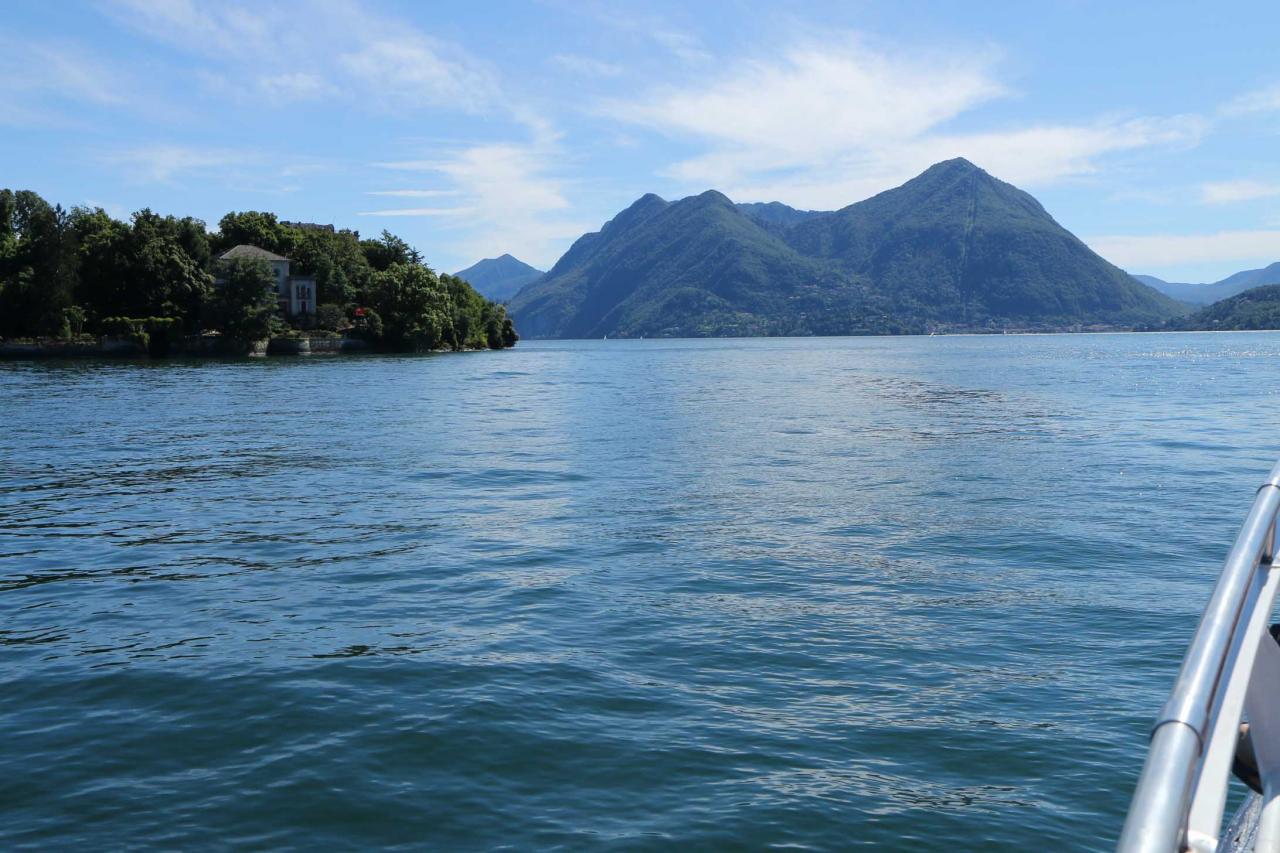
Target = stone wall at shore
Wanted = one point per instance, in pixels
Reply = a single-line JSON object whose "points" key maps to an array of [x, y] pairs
{"points": [[207, 346], [107, 347]]}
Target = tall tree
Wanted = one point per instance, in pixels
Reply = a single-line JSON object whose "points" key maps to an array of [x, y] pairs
{"points": [[37, 266], [413, 306], [252, 228], [103, 247], [389, 250], [165, 281], [244, 303]]}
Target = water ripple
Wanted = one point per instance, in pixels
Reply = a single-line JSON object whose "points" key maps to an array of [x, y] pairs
{"points": [[918, 593]]}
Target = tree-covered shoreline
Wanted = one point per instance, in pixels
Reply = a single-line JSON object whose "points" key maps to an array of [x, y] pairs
{"points": [[66, 274]]}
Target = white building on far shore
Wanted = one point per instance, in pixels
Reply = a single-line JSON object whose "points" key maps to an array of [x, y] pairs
{"points": [[296, 294]]}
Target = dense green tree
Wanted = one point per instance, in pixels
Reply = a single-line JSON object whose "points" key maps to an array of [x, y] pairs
{"points": [[330, 316], [37, 266], [336, 260], [388, 250], [8, 236], [244, 300], [151, 267], [63, 273], [413, 306], [252, 228], [165, 281], [103, 252]]}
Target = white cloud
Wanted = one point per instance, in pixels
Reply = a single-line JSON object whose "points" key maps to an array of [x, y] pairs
{"points": [[825, 124], [1230, 192], [45, 81], [403, 68], [1259, 101], [68, 71], [413, 193], [165, 163], [586, 66], [1153, 251], [285, 50], [1042, 154], [418, 211], [683, 45], [679, 43], [509, 199], [816, 101], [1028, 157], [295, 86]]}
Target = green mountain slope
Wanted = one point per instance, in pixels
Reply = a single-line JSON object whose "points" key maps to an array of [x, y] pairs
{"points": [[694, 267], [499, 278], [951, 249], [956, 245], [774, 215], [1256, 308]]}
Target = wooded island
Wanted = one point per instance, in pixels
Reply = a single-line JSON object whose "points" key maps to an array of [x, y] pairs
{"points": [[79, 274]]}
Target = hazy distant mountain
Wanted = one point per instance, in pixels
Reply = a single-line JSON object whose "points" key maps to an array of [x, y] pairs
{"points": [[1204, 294], [1256, 308], [952, 249], [499, 278]]}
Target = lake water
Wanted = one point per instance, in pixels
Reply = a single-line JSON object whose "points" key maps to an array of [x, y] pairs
{"points": [[825, 593]]}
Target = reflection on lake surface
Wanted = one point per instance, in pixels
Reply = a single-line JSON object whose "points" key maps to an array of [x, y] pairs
{"points": [[920, 592]]}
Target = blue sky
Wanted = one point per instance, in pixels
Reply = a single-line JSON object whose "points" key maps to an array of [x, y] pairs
{"points": [[1150, 130]]}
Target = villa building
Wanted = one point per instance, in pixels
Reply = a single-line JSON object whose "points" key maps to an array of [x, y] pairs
{"points": [[296, 294]]}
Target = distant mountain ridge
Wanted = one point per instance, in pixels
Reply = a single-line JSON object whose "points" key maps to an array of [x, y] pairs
{"points": [[953, 248], [499, 278], [1253, 309], [1204, 294]]}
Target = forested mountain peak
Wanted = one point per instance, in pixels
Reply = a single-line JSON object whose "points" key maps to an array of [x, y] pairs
{"points": [[953, 247]]}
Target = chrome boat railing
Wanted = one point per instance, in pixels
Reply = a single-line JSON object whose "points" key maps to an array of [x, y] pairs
{"points": [[1230, 673]]}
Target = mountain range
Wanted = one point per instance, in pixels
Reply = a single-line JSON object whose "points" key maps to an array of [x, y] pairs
{"points": [[1204, 294], [1253, 309], [952, 249], [499, 278]]}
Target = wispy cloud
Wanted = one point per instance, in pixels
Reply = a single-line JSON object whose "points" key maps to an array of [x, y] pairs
{"points": [[1030, 156], [166, 163], [510, 199], [825, 123], [681, 44], [418, 211], [413, 193], [1230, 192], [1155, 251], [816, 100], [656, 30], [285, 50], [1263, 100], [44, 83], [586, 66]]}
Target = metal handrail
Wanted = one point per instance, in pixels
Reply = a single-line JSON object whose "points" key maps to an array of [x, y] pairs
{"points": [[1158, 814]]}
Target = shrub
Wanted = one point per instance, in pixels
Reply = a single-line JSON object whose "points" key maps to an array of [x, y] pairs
{"points": [[330, 316]]}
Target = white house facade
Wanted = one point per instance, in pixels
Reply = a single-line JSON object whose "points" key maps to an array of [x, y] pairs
{"points": [[295, 294]]}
